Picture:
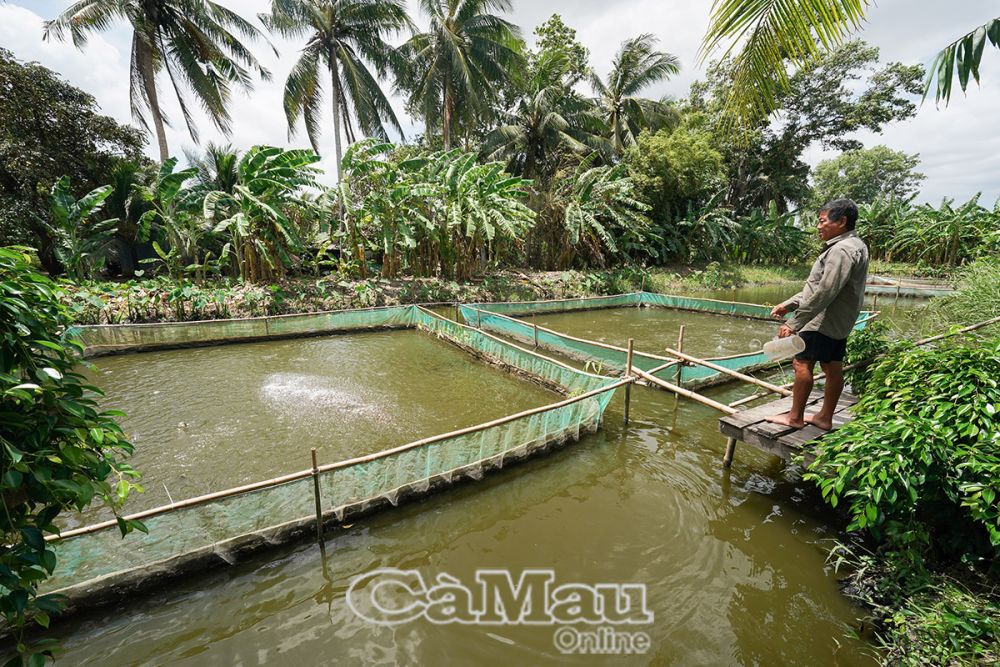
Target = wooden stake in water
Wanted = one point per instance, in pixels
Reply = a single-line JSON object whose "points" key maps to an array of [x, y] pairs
{"points": [[642, 288], [319, 502], [534, 327], [875, 302], [680, 348], [727, 460], [628, 374], [479, 319]]}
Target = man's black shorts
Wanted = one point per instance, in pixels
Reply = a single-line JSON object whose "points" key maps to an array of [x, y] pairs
{"points": [[821, 348]]}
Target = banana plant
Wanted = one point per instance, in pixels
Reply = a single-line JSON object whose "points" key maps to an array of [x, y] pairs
{"points": [[81, 245], [262, 237], [168, 222], [590, 208]]}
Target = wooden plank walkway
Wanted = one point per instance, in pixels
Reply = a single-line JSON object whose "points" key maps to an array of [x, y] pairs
{"points": [[749, 426]]}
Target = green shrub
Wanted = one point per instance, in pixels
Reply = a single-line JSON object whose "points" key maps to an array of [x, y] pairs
{"points": [[57, 451], [868, 343], [922, 454]]}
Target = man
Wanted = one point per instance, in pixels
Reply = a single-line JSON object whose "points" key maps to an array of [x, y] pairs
{"points": [[825, 312]]}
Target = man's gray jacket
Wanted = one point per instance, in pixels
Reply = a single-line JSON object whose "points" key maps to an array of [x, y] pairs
{"points": [[835, 290]]}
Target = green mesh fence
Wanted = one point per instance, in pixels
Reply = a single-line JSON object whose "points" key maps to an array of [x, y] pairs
{"points": [[706, 305], [515, 308], [175, 533], [105, 339], [611, 359]]}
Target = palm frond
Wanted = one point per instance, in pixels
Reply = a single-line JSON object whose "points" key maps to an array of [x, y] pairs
{"points": [[771, 35], [962, 57]]}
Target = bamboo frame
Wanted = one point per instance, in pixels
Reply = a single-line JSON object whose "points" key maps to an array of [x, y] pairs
{"points": [[628, 374], [728, 371], [606, 346], [705, 400], [302, 474]]}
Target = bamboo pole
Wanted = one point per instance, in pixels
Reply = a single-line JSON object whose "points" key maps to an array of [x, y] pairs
{"points": [[680, 346], [319, 501], [628, 374], [705, 400], [479, 319], [728, 371], [534, 326]]}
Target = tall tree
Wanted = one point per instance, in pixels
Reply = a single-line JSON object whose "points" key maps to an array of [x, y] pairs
{"points": [[867, 175], [547, 120], [457, 64], [766, 160], [50, 129], [765, 37], [197, 42], [555, 38], [347, 37], [636, 66]]}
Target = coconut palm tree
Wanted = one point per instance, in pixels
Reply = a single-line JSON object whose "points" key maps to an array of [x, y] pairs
{"points": [[773, 34], [347, 38], [636, 66], [547, 119], [457, 64], [197, 42]]}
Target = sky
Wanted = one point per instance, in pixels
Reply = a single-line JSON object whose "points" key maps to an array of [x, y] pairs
{"points": [[958, 145]]}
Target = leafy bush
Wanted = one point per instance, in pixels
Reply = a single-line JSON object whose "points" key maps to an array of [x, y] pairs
{"points": [[922, 455], [57, 451], [868, 343]]}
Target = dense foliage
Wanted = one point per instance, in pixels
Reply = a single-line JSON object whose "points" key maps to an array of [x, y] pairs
{"points": [[948, 234], [917, 469], [866, 175], [57, 450], [49, 129]]}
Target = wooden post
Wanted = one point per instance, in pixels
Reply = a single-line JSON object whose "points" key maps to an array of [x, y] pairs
{"points": [[875, 302], [628, 374], [479, 319], [534, 328], [680, 348], [727, 460], [319, 502], [642, 288]]}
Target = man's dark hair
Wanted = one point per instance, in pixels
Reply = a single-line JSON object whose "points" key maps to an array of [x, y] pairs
{"points": [[842, 208]]}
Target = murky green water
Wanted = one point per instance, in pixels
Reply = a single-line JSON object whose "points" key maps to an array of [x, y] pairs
{"points": [[733, 562], [213, 418]]}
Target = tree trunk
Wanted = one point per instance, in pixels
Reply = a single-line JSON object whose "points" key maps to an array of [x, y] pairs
{"points": [[144, 60], [446, 115], [335, 91]]}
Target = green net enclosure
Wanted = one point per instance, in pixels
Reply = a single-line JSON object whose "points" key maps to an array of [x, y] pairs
{"points": [[112, 338], [214, 528], [605, 358]]}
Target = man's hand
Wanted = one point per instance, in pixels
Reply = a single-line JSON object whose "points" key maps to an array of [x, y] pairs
{"points": [[779, 311], [784, 331]]}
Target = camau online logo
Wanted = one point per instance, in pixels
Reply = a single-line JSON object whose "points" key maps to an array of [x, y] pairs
{"points": [[592, 618]]}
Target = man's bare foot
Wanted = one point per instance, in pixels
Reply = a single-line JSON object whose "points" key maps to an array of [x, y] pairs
{"points": [[786, 420], [820, 422]]}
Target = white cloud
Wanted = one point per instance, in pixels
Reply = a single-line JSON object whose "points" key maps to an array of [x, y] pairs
{"points": [[958, 146]]}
